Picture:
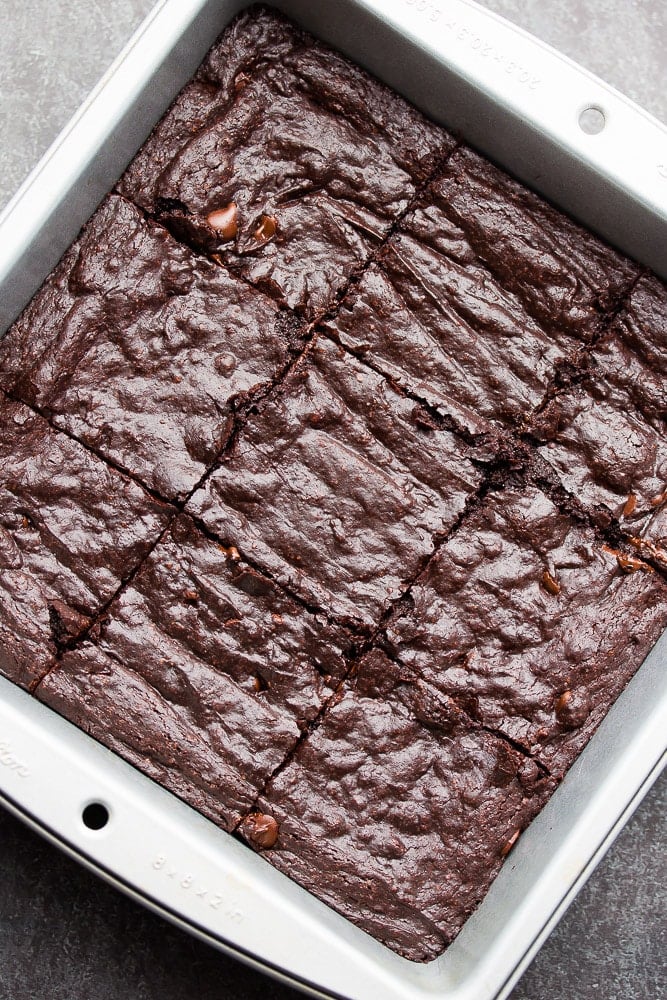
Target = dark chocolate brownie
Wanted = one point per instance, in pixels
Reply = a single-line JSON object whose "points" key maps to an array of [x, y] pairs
{"points": [[336, 512], [530, 623], [137, 347], [568, 279], [71, 529], [606, 454], [204, 674], [396, 812], [286, 159], [338, 486], [634, 356], [440, 326], [607, 439], [481, 296]]}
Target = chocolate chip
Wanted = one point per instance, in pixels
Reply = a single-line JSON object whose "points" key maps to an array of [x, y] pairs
{"points": [[190, 595], [650, 550], [572, 709], [267, 229], [629, 564], [231, 552], [509, 844], [261, 830], [550, 583], [629, 505], [224, 221]]}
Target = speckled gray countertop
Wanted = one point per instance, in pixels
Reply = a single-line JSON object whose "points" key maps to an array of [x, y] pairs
{"points": [[64, 935]]}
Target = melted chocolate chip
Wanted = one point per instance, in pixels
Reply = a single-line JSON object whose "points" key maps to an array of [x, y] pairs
{"points": [[550, 583], [509, 844], [572, 709], [225, 221], [267, 229], [261, 830]]}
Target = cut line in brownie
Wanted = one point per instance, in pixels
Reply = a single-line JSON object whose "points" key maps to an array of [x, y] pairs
{"points": [[286, 159], [607, 438], [138, 348], [530, 623], [203, 676], [71, 529], [482, 297], [634, 356], [338, 485], [395, 813]]}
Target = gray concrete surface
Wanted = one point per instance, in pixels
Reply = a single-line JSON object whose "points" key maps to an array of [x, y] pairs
{"points": [[66, 936]]}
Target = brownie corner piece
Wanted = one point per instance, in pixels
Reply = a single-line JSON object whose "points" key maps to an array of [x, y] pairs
{"points": [[204, 674], [530, 623], [570, 280], [338, 485], [394, 814], [243, 162], [71, 529], [138, 347]]}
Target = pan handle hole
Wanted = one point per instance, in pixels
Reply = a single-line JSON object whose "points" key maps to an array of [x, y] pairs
{"points": [[95, 816], [592, 120]]}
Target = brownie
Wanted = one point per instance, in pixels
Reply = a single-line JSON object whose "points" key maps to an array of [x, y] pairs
{"points": [[634, 356], [71, 530], [431, 317], [607, 438], [530, 623], [334, 483], [204, 674], [285, 159], [138, 347], [568, 279], [606, 454], [338, 486], [395, 812]]}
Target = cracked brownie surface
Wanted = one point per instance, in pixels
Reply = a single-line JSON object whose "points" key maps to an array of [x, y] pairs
{"points": [[338, 504], [286, 160], [138, 347], [607, 437], [525, 619], [338, 485], [71, 529], [203, 673], [397, 811]]}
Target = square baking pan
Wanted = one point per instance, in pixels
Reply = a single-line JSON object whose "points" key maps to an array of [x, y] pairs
{"points": [[521, 103]]}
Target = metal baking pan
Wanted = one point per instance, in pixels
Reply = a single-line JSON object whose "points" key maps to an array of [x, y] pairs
{"points": [[520, 102]]}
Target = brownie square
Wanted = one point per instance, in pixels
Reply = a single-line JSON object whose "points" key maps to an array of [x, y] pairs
{"points": [[606, 454], [530, 624], [607, 439], [567, 278], [138, 348], [204, 674], [286, 159], [395, 813], [71, 530], [432, 317], [634, 357], [338, 486]]}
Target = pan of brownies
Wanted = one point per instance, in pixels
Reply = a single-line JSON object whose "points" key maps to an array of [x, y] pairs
{"points": [[333, 497]]}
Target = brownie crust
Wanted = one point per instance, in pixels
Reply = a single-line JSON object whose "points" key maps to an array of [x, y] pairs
{"points": [[139, 348], [338, 486], [203, 674], [286, 160], [71, 530]]}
